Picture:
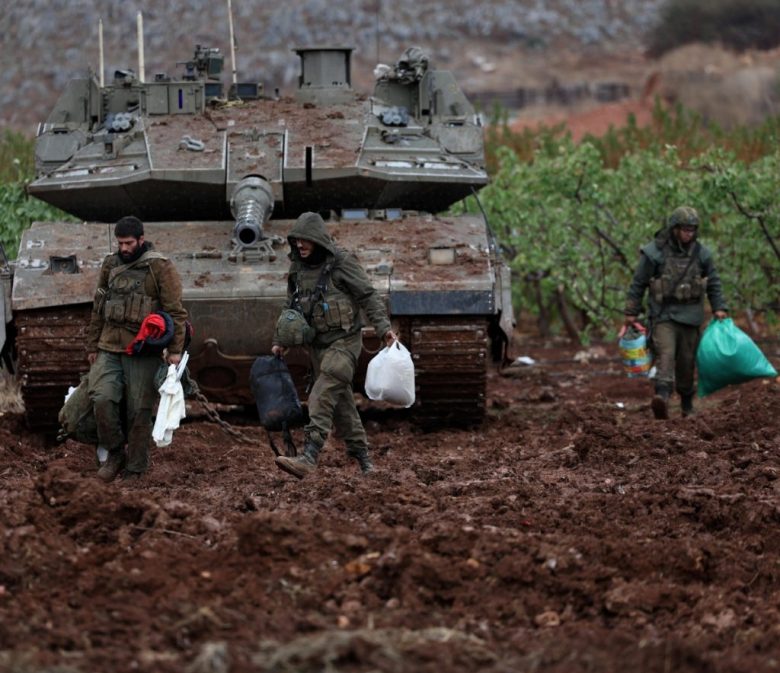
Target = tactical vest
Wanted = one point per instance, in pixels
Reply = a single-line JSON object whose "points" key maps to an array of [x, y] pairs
{"points": [[326, 311], [124, 302], [679, 279]]}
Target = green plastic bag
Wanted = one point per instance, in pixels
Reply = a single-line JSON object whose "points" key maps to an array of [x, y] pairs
{"points": [[727, 355]]}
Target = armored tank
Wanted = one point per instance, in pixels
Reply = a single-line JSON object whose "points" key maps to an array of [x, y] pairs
{"points": [[218, 174]]}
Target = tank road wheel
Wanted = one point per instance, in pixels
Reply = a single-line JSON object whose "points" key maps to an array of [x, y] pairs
{"points": [[450, 360], [51, 355]]}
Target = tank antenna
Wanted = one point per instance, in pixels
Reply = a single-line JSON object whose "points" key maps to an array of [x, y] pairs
{"points": [[378, 12], [101, 59], [140, 25], [232, 41]]}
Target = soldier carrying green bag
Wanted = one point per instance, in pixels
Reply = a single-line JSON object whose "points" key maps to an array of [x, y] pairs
{"points": [[679, 272]]}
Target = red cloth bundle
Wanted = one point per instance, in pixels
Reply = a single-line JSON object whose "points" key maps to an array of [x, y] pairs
{"points": [[153, 327]]}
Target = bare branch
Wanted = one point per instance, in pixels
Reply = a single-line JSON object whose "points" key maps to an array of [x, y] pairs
{"points": [[759, 218], [622, 258]]}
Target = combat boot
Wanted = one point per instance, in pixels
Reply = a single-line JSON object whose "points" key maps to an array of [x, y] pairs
{"points": [[300, 466], [113, 465], [363, 459], [686, 405], [660, 401]]}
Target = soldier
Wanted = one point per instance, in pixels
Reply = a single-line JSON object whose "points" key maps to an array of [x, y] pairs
{"points": [[329, 288], [134, 282], [679, 271]]}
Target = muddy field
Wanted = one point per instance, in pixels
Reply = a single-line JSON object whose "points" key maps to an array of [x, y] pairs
{"points": [[570, 533]]}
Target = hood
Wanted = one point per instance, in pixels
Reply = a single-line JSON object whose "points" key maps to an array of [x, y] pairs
{"points": [[310, 227]]}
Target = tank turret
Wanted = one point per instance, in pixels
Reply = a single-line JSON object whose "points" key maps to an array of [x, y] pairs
{"points": [[219, 177]]}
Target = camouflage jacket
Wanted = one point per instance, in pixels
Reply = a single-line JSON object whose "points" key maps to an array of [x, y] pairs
{"points": [[349, 291], [127, 293], [678, 278]]}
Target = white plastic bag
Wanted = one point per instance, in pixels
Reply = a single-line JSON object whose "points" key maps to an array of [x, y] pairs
{"points": [[390, 376]]}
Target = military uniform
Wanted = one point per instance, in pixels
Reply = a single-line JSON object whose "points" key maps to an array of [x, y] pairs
{"points": [[125, 295], [330, 291], [678, 278]]}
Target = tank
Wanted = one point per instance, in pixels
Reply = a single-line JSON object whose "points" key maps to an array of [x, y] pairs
{"points": [[218, 175]]}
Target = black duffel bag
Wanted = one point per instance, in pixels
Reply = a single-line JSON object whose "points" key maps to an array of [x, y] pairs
{"points": [[277, 400]]}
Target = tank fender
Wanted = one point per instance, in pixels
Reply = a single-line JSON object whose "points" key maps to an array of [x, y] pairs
{"points": [[6, 283], [506, 320]]}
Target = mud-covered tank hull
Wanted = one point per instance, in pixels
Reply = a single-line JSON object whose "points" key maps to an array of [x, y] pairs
{"points": [[442, 283], [173, 150]]}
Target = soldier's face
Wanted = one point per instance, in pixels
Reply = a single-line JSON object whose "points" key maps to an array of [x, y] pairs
{"points": [[128, 245], [685, 234], [305, 248]]}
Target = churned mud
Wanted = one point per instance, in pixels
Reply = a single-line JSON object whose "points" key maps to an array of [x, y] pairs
{"points": [[571, 532]]}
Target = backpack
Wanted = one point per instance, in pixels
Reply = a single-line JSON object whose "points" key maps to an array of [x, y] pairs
{"points": [[77, 418], [277, 400]]}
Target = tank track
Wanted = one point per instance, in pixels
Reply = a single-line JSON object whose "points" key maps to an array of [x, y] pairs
{"points": [[51, 355], [450, 360]]}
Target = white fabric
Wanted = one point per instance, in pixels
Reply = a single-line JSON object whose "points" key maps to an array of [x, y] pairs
{"points": [[171, 409], [390, 376]]}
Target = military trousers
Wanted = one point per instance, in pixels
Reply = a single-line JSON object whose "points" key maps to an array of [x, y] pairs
{"points": [[117, 378], [674, 348], [331, 400]]}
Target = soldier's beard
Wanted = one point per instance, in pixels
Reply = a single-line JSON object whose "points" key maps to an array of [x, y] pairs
{"points": [[128, 257]]}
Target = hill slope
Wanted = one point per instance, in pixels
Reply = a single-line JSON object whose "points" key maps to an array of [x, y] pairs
{"points": [[46, 42]]}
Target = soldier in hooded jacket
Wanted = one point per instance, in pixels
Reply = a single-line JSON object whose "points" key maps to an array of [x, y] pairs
{"points": [[679, 272], [330, 289], [134, 282]]}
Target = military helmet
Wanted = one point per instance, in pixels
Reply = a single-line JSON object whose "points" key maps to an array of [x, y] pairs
{"points": [[684, 216], [292, 329]]}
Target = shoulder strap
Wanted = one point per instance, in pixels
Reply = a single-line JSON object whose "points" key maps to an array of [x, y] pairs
{"points": [[320, 289], [694, 255], [322, 282], [146, 258], [290, 450]]}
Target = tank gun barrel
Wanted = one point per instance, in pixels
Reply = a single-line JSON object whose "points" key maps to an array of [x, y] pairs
{"points": [[251, 205]]}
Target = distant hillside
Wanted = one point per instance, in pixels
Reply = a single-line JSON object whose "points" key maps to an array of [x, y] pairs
{"points": [[46, 42]]}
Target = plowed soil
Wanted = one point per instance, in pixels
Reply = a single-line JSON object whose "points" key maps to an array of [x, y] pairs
{"points": [[571, 532]]}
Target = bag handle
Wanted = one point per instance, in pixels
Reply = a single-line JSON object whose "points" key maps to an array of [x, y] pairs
{"points": [[290, 450], [639, 326]]}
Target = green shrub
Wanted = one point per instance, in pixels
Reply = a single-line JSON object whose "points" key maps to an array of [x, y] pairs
{"points": [[573, 216], [16, 157], [18, 210], [681, 128]]}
